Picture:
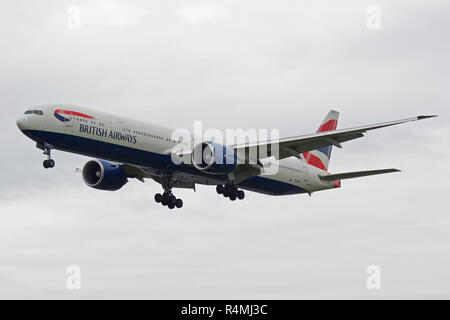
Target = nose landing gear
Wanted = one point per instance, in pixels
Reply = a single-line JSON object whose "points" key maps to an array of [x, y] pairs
{"points": [[49, 163], [230, 191]]}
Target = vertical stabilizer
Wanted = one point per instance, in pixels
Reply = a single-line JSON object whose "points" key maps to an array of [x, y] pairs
{"points": [[320, 158]]}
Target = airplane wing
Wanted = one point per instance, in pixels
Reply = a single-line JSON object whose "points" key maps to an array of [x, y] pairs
{"points": [[355, 174], [139, 173], [134, 172], [295, 146], [288, 147]]}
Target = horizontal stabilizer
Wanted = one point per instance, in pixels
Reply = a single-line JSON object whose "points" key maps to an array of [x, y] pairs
{"points": [[355, 174]]}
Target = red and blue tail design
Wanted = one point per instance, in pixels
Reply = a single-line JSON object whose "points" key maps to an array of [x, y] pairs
{"points": [[320, 158]]}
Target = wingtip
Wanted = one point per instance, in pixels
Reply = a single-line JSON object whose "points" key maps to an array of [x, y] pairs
{"points": [[426, 116]]}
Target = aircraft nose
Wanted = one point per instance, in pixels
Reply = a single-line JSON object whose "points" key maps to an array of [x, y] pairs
{"points": [[22, 122]]}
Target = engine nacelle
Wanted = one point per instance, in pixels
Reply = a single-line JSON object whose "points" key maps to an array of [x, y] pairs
{"points": [[214, 158], [104, 175]]}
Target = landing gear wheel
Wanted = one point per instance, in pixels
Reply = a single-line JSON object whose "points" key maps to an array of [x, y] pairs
{"points": [[49, 162], [229, 191], [228, 188], [168, 199], [172, 201], [219, 189], [165, 199]]}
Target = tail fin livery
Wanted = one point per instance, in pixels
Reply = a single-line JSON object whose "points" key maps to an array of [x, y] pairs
{"points": [[320, 158]]}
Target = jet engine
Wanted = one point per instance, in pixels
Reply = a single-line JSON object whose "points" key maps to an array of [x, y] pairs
{"points": [[214, 158], [104, 175]]}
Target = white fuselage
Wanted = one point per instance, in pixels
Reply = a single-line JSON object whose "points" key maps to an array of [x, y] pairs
{"points": [[114, 138]]}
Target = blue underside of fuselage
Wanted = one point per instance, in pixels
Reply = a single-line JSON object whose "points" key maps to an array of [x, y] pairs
{"points": [[118, 153]]}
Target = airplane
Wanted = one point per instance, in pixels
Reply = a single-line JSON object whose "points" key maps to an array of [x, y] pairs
{"points": [[124, 149]]}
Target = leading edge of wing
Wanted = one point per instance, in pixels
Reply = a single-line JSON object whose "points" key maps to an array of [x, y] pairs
{"points": [[331, 134]]}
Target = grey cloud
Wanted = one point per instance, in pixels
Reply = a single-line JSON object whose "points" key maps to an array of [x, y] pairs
{"points": [[248, 64]]}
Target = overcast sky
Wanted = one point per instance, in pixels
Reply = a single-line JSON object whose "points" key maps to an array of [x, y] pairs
{"points": [[232, 64]]}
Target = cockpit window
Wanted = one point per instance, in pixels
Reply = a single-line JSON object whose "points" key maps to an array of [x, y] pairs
{"points": [[36, 112]]}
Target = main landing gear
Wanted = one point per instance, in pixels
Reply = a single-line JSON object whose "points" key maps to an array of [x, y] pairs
{"points": [[168, 199], [49, 163], [230, 191]]}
